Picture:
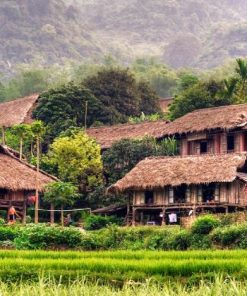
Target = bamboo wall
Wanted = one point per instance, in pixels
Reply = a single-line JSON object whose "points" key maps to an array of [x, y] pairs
{"points": [[229, 193], [217, 143]]}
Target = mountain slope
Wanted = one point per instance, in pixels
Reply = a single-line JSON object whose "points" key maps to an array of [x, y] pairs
{"points": [[193, 33], [45, 30]]}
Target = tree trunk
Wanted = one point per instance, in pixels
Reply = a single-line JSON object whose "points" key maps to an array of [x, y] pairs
{"points": [[37, 184], [52, 218], [62, 217]]}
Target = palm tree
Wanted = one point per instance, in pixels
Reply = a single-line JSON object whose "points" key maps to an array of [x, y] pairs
{"points": [[241, 70]]}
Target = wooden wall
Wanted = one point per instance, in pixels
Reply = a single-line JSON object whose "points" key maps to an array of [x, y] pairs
{"points": [[232, 193]]}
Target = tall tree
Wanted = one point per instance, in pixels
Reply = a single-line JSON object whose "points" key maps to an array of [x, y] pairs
{"points": [[64, 107], [77, 159], [61, 194]]}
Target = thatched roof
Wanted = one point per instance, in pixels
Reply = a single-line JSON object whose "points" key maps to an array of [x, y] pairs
{"points": [[106, 136], [17, 111], [165, 103], [19, 175], [226, 117], [158, 172]]}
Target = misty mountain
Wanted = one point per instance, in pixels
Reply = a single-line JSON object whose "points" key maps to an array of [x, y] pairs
{"points": [[192, 33]]}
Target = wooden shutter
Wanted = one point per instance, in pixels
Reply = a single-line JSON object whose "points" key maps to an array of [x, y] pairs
{"points": [[199, 194], [237, 142], [188, 194], [217, 193], [171, 195], [223, 143]]}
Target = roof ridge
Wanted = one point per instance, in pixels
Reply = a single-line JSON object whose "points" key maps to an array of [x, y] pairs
{"points": [[215, 108]]}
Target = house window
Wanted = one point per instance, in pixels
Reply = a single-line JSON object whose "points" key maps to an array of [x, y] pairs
{"points": [[171, 195], [230, 143], [208, 193], [203, 147], [149, 197], [180, 194]]}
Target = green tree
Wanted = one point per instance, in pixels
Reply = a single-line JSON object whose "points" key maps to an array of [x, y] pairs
{"points": [[64, 107], [149, 103], [198, 96], [125, 154], [78, 160], [22, 131], [121, 95], [61, 194], [241, 71]]}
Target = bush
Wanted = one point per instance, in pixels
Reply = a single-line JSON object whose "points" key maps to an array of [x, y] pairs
{"points": [[230, 236], [95, 222], [200, 242], [8, 233], [43, 236], [204, 225]]}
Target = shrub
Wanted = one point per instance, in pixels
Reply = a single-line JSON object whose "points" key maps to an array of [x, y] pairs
{"points": [[42, 236], [8, 232], [200, 242], [95, 222], [230, 236], [204, 225]]}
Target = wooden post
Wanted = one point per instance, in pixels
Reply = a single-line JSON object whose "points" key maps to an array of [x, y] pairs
{"points": [[52, 218], [3, 136], [24, 212], [163, 216], [133, 217], [36, 219], [85, 122], [21, 147], [62, 217]]}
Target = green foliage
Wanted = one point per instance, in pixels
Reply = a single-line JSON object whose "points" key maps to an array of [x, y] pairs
{"points": [[61, 193], [78, 160], [34, 237], [95, 222], [204, 225], [125, 154], [64, 107], [121, 95], [198, 96]]}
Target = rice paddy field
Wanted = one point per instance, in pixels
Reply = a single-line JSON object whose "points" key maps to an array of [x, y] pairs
{"points": [[123, 273]]}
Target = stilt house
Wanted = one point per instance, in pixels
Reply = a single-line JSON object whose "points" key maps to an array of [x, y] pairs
{"points": [[18, 181], [209, 175]]}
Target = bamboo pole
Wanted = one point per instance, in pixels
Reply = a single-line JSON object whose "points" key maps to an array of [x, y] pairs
{"points": [[52, 218], [85, 119], [36, 219]]}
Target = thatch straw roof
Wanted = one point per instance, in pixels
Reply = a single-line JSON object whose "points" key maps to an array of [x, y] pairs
{"points": [[226, 117], [106, 136], [158, 172], [165, 103], [19, 175], [17, 111]]}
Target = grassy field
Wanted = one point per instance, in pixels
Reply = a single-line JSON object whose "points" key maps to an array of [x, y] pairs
{"points": [[219, 287], [119, 267]]}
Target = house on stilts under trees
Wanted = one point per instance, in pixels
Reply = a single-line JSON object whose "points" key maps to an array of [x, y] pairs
{"points": [[210, 175], [18, 181]]}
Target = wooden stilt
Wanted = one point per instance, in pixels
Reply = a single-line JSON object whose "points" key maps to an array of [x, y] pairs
{"points": [[133, 217], [24, 212], [3, 136], [52, 218], [163, 217]]}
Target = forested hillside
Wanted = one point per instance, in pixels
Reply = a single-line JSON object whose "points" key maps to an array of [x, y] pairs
{"points": [[192, 33]]}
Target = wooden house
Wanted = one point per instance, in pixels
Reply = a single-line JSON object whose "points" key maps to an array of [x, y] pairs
{"points": [[16, 112], [184, 186], [18, 181], [107, 135], [211, 130]]}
